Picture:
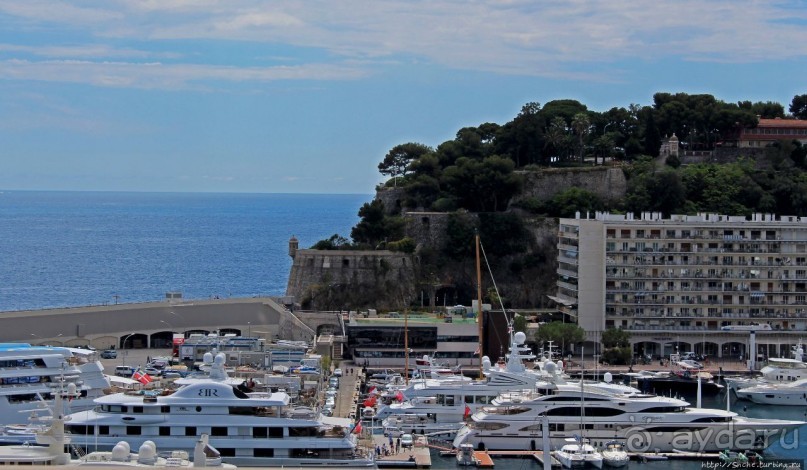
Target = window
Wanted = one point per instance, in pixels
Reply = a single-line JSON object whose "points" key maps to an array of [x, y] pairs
{"points": [[218, 431], [263, 452], [190, 431], [259, 433], [136, 430], [165, 431]]}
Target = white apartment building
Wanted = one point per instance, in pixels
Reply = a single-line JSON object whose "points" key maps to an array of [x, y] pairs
{"points": [[687, 283]]}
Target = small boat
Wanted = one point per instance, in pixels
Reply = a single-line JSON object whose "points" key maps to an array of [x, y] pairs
{"points": [[578, 453], [614, 454], [465, 455], [732, 457]]}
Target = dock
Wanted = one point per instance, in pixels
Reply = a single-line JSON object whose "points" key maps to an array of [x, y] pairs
{"points": [[417, 456]]}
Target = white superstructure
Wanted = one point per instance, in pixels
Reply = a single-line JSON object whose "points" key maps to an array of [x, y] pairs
{"points": [[31, 373], [248, 429]]}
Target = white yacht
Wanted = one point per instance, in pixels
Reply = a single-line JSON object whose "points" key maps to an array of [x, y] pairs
{"points": [[29, 373], [450, 401], [643, 422], [790, 393], [614, 454], [248, 429], [578, 453], [776, 371]]}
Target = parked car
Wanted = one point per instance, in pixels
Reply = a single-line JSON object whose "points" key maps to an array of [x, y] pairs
{"points": [[109, 354], [689, 363], [692, 356], [407, 440], [337, 372]]}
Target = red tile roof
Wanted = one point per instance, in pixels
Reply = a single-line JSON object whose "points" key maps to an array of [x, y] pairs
{"points": [[788, 123]]}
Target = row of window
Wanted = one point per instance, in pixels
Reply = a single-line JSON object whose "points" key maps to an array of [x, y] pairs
{"points": [[192, 431], [724, 234]]}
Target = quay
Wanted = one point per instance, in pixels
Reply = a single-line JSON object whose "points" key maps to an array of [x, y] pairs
{"points": [[417, 456]]}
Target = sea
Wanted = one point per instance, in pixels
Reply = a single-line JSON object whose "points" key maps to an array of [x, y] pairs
{"points": [[67, 249]]}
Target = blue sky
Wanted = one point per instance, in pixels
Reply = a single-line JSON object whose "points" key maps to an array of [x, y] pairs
{"points": [[308, 96]]}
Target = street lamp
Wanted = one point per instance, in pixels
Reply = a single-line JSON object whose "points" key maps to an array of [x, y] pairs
{"points": [[123, 350]]}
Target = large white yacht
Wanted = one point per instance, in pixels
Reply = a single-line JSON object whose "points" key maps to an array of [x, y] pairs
{"points": [[31, 373], [789, 393], [450, 401], [248, 429], [778, 370], [644, 422]]}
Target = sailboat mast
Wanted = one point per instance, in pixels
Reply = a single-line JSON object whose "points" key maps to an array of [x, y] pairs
{"points": [[406, 346], [479, 302]]}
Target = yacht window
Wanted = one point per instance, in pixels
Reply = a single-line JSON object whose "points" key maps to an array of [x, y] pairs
{"points": [[489, 426], [165, 409], [469, 399], [218, 431], [103, 430], [556, 427], [482, 399], [302, 432], [531, 428], [137, 409], [135, 431], [190, 431], [276, 432], [165, 431], [226, 451], [259, 433], [263, 452], [449, 400]]}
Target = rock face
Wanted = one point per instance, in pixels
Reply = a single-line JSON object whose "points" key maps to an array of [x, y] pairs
{"points": [[339, 279]]}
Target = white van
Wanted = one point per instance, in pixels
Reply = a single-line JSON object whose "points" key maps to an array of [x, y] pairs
{"points": [[124, 371]]}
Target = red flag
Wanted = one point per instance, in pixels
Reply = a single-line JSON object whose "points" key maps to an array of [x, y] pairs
{"points": [[399, 396], [357, 428], [141, 377], [370, 402], [467, 412], [372, 389]]}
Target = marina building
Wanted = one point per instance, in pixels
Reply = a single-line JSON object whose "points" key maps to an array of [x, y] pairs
{"points": [[697, 283]]}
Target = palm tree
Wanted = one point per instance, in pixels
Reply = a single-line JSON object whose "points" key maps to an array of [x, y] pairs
{"points": [[556, 134], [581, 126]]}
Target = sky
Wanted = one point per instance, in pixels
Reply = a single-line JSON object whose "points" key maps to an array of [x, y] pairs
{"points": [[308, 96]]}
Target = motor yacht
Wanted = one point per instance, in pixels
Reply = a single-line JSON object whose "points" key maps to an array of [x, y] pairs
{"points": [[777, 370], [644, 422], [29, 373], [790, 393], [614, 454], [247, 428]]}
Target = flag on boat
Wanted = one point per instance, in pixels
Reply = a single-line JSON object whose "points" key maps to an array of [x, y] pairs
{"points": [[399, 396], [370, 402], [372, 390], [357, 427], [467, 412], [141, 377], [476, 353]]}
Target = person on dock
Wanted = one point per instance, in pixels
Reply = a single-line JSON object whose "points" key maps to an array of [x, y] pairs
{"points": [[398, 445]]}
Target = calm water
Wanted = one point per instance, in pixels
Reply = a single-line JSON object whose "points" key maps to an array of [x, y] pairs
{"points": [[62, 249]]}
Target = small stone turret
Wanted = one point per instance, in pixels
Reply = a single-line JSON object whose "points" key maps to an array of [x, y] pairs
{"points": [[294, 244]]}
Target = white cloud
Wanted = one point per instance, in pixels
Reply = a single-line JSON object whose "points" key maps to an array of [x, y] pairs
{"points": [[579, 39], [164, 76]]}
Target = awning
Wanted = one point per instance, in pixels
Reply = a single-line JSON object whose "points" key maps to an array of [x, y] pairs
{"points": [[560, 300]]}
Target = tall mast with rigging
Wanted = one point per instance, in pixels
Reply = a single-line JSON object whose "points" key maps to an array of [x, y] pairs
{"points": [[479, 303]]}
